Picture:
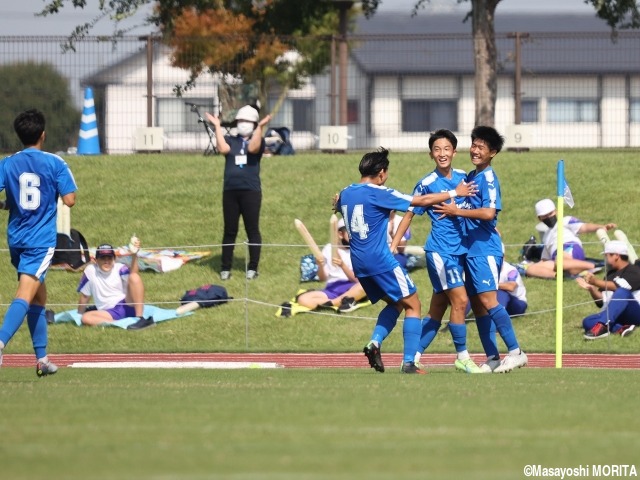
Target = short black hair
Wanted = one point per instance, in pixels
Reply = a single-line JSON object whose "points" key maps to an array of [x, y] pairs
{"points": [[443, 133], [373, 163], [29, 126], [490, 135]]}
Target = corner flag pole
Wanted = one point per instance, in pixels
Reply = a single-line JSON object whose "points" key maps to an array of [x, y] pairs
{"points": [[562, 186]]}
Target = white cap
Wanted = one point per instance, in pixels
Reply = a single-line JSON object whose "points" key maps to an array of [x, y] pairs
{"points": [[248, 114], [341, 223], [545, 207], [616, 246]]}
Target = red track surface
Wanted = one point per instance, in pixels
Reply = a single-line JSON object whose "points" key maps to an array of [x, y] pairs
{"points": [[322, 360]]}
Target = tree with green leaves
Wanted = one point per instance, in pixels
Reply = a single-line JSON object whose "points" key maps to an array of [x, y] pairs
{"points": [[243, 41], [266, 18], [30, 85], [618, 14]]}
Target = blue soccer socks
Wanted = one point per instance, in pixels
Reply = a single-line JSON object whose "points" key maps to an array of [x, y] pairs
{"points": [[504, 326], [487, 333], [13, 319], [411, 332], [38, 327], [387, 320]]}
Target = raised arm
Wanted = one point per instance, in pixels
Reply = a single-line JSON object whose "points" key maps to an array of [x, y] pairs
{"points": [[221, 144], [256, 136]]}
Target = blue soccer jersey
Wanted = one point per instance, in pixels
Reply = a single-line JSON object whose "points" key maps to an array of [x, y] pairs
{"points": [[33, 180], [366, 208], [446, 233], [481, 237]]}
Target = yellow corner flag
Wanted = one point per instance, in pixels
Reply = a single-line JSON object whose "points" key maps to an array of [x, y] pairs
{"points": [[564, 195]]}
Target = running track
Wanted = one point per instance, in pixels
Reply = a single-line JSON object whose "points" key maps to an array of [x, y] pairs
{"points": [[322, 360]]}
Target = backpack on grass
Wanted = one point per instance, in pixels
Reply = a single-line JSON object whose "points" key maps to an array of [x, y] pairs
{"points": [[206, 296], [71, 250]]}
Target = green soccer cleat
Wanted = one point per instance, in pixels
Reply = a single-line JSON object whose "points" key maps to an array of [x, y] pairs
{"points": [[467, 366]]}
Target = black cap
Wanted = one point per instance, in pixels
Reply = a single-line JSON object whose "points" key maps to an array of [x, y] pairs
{"points": [[105, 250]]}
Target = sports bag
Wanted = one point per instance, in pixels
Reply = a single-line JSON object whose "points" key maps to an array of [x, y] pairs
{"points": [[71, 250], [206, 296]]}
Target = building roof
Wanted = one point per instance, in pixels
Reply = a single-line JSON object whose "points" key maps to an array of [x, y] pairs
{"points": [[441, 44]]}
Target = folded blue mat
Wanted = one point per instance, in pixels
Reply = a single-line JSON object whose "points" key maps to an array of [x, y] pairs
{"points": [[158, 314]]}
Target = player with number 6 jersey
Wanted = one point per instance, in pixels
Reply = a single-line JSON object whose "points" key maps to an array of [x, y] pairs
{"points": [[33, 180], [365, 207]]}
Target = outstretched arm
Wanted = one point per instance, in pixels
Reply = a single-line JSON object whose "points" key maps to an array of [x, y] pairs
{"points": [[402, 228], [462, 190], [451, 210], [592, 227]]}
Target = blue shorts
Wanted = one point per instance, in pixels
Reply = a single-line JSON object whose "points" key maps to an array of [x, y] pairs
{"points": [[482, 274], [445, 271], [32, 261], [335, 289], [394, 284], [121, 310]]}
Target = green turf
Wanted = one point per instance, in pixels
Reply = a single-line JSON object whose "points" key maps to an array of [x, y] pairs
{"points": [[311, 424], [174, 201]]}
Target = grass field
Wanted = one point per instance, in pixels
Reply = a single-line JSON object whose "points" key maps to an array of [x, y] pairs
{"points": [[312, 424], [174, 201], [309, 424]]}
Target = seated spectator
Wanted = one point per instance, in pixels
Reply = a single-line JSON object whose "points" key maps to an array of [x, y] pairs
{"points": [[599, 295], [342, 291], [574, 259], [621, 311], [116, 289]]}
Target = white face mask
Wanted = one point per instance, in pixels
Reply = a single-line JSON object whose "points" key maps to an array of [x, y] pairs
{"points": [[245, 129]]}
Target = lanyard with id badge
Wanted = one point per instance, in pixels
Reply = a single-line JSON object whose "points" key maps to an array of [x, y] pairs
{"points": [[241, 159]]}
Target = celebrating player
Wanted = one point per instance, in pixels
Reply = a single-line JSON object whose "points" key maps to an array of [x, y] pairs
{"points": [[484, 252], [365, 207], [444, 251]]}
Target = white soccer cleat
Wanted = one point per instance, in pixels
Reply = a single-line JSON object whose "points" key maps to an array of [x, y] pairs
{"points": [[134, 244], [490, 365], [511, 362]]}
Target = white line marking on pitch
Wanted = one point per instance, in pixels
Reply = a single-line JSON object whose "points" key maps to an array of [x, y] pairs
{"points": [[209, 365]]}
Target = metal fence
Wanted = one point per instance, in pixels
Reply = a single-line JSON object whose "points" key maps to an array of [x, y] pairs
{"points": [[554, 90]]}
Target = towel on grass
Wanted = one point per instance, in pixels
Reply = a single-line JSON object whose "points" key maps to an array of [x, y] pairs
{"points": [[158, 314]]}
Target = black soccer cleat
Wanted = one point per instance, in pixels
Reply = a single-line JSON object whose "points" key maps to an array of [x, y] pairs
{"points": [[372, 352]]}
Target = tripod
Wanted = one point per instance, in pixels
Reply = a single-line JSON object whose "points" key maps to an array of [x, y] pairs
{"points": [[211, 148]]}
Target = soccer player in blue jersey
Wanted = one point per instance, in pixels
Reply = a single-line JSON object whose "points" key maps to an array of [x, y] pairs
{"points": [[33, 181], [444, 252], [365, 207], [484, 252]]}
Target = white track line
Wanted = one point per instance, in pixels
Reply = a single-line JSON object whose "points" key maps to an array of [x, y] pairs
{"points": [[207, 365]]}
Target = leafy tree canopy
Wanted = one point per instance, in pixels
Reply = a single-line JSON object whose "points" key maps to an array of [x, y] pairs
{"points": [[246, 39], [29, 85]]}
